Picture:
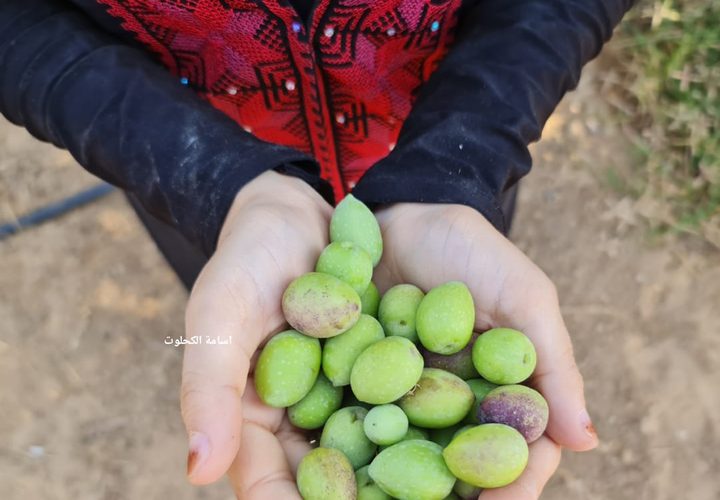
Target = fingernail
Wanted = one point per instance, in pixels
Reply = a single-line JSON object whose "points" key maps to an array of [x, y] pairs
{"points": [[588, 425], [198, 451]]}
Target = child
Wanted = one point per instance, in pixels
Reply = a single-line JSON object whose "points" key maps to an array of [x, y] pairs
{"points": [[233, 124]]}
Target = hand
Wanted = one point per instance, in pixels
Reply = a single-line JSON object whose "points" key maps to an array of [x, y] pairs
{"points": [[274, 232], [428, 245]]}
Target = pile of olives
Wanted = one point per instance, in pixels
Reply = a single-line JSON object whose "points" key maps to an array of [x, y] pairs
{"points": [[410, 403]]}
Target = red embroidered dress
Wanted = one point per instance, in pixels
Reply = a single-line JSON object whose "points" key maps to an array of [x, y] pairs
{"points": [[338, 89]]}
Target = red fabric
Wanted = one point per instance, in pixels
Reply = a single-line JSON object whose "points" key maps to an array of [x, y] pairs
{"points": [[339, 90]]}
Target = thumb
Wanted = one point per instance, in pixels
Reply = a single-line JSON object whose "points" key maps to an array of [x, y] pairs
{"points": [[214, 375], [535, 310]]}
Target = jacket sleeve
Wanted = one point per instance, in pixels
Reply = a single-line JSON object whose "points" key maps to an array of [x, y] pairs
{"points": [[465, 141], [127, 120]]}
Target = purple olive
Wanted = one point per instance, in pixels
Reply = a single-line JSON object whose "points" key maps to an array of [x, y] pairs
{"points": [[518, 406]]}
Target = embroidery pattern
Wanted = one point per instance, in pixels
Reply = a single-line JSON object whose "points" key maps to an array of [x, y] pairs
{"points": [[338, 89]]}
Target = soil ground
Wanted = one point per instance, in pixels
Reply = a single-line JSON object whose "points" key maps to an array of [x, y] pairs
{"points": [[89, 391]]}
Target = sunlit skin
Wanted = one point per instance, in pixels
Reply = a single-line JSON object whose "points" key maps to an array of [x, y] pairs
{"points": [[274, 232]]}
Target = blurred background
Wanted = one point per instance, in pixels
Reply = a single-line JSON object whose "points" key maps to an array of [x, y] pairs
{"points": [[622, 210]]}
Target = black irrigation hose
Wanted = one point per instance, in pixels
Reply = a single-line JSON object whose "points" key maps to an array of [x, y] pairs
{"points": [[54, 210]]}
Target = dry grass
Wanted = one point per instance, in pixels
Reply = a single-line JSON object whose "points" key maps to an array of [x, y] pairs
{"points": [[664, 82]]}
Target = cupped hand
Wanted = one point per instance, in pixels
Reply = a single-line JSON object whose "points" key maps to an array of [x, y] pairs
{"points": [[274, 232], [428, 245]]}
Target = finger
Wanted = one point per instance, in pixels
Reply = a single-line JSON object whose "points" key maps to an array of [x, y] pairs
{"points": [[262, 469], [535, 311], [214, 376], [557, 377], [542, 464], [294, 442]]}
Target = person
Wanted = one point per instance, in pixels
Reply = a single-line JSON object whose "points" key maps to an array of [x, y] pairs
{"points": [[233, 125]]}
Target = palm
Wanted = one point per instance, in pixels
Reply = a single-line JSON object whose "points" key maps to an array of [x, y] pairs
{"points": [[428, 251], [269, 238], [271, 448], [428, 245]]}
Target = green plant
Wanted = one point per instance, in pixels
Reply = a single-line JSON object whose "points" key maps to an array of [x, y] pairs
{"points": [[666, 83]]}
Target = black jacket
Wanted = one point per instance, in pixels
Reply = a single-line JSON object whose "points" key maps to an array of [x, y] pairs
{"points": [[70, 75]]}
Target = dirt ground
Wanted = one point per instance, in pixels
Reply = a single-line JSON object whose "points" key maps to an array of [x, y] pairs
{"points": [[89, 391]]}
